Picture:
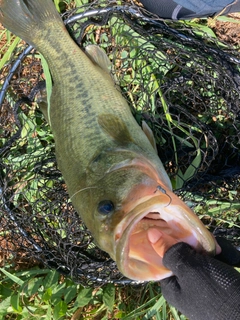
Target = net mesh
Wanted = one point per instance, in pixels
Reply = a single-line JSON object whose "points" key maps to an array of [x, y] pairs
{"points": [[184, 85]]}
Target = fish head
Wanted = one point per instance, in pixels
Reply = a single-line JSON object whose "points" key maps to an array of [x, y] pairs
{"points": [[127, 200]]}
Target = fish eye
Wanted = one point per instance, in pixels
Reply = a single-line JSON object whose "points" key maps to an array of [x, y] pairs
{"points": [[105, 207]]}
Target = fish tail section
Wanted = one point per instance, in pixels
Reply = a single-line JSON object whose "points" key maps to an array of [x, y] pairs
{"points": [[27, 18]]}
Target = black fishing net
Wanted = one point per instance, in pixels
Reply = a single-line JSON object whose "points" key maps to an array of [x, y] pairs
{"points": [[185, 85]]}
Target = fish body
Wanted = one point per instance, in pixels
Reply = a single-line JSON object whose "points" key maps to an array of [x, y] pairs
{"points": [[114, 176]]}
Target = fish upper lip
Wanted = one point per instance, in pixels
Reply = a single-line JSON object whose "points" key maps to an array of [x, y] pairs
{"points": [[139, 211], [130, 219]]}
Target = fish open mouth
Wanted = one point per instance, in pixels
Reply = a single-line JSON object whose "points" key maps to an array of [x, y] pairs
{"points": [[135, 255]]}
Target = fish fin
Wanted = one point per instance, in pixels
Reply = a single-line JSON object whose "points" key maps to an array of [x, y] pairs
{"points": [[98, 56], [148, 132], [27, 18], [115, 128]]}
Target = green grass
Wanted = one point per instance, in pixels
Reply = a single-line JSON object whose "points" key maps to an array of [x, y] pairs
{"points": [[45, 294], [9, 46]]}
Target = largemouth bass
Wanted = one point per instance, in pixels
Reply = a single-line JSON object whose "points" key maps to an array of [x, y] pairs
{"points": [[114, 176]]}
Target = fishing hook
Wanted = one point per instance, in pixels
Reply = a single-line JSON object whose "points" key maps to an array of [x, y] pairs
{"points": [[160, 188]]}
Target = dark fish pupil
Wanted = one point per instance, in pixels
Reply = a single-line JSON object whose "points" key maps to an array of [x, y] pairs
{"points": [[105, 207]]}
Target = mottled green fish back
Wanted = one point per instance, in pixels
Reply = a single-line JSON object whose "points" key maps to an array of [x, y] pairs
{"points": [[28, 18]]}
